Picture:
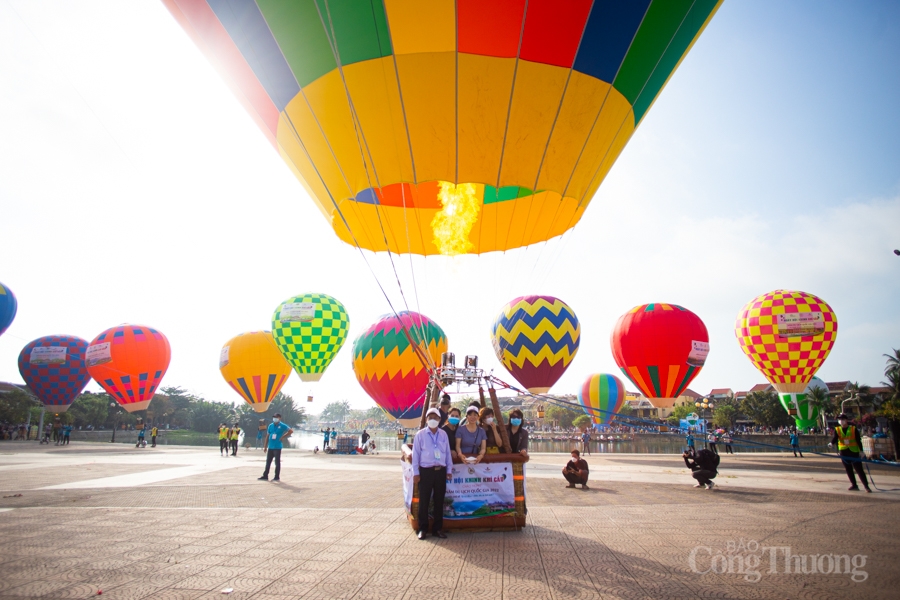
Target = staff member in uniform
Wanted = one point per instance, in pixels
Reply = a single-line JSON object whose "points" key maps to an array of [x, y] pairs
{"points": [[153, 433], [847, 438], [432, 468], [223, 440], [260, 433], [276, 433], [235, 435]]}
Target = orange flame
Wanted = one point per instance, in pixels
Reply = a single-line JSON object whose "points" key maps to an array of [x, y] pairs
{"points": [[453, 224]]}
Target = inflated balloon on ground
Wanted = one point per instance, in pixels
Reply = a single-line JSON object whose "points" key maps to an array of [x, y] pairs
{"points": [[382, 108], [309, 330], [536, 338], [129, 362], [53, 368], [392, 359], [601, 395], [254, 367], [787, 335], [661, 349]]}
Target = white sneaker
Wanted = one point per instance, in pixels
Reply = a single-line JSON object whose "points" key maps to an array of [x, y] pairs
{"points": [[699, 485], [710, 485]]}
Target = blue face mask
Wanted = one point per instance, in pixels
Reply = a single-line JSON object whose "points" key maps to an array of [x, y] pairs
{"points": [[515, 422], [453, 420]]}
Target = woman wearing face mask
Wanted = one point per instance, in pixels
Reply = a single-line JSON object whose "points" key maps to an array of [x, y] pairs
{"points": [[450, 427], [518, 437], [471, 440], [489, 424]]}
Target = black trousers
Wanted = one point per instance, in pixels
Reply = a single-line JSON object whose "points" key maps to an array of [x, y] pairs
{"points": [[573, 478], [728, 449], [849, 465], [712, 446], [223, 445], [234, 447], [273, 454], [703, 476], [153, 440], [432, 486], [796, 449]]}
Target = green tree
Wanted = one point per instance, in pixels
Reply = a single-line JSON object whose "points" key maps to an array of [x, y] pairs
{"points": [[725, 415], [678, 413], [582, 421], [562, 414], [15, 406], [378, 414], [764, 408], [858, 396], [335, 411], [824, 403], [207, 416], [890, 407], [90, 409]]}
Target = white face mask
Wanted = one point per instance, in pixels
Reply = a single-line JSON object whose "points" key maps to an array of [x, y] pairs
{"points": [[433, 423], [843, 422], [276, 420], [489, 420]]}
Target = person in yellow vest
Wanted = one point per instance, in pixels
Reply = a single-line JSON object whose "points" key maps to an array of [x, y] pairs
{"points": [[235, 433], [848, 441], [223, 440], [153, 433]]}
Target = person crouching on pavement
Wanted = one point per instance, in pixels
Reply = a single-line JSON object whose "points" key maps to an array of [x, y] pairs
{"points": [[432, 468], [704, 465], [576, 471], [847, 438]]}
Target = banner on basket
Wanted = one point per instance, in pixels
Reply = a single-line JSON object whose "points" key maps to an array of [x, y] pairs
{"points": [[475, 491]]}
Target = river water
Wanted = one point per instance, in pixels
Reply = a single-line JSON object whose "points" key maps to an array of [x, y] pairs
{"points": [[642, 444]]}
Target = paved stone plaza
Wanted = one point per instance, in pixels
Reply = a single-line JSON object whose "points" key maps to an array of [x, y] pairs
{"points": [[184, 522]]}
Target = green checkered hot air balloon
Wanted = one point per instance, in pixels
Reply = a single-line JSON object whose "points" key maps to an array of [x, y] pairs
{"points": [[310, 329]]}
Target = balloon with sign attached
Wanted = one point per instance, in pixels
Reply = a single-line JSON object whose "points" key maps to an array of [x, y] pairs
{"points": [[8, 307], [254, 367], [661, 349], [787, 335], [392, 360], [536, 338], [129, 362], [309, 330], [601, 395], [53, 367], [381, 107]]}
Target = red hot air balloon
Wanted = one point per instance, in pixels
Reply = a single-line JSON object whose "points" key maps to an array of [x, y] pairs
{"points": [[53, 367], [661, 349], [129, 361]]}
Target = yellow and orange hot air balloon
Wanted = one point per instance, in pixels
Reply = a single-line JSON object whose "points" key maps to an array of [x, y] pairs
{"points": [[129, 362], [254, 367], [788, 335]]}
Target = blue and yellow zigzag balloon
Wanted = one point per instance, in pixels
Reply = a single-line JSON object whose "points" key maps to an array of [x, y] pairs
{"points": [[536, 337]]}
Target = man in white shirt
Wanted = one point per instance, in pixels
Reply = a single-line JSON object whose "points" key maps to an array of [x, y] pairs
{"points": [[432, 468]]}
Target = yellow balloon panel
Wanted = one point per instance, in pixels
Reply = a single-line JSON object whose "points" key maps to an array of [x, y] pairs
{"points": [[254, 367]]}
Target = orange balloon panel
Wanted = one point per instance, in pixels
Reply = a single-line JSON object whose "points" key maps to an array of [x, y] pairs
{"points": [[129, 361], [254, 367]]}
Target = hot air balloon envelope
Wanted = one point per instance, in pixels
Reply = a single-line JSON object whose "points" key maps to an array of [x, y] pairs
{"points": [[54, 369], [390, 369], [661, 349], [129, 362], [254, 368], [377, 105], [309, 330], [601, 396], [8, 307], [536, 338]]}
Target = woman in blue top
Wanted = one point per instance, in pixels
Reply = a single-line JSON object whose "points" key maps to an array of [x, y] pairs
{"points": [[471, 440]]}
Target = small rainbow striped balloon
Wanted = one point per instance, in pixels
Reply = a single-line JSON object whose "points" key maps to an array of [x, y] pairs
{"points": [[601, 395], [536, 338], [388, 367]]}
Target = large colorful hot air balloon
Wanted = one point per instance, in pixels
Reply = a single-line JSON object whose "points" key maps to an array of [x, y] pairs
{"points": [[129, 361], [253, 366], [601, 396], [661, 349], [54, 369], [8, 307], [309, 330], [787, 335], [392, 359], [380, 107], [536, 338]]}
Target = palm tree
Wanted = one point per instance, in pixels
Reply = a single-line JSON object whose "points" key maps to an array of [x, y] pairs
{"points": [[860, 395], [893, 364], [890, 407], [823, 402]]}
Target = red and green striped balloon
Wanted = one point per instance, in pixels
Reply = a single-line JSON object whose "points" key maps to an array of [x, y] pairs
{"points": [[601, 396]]}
